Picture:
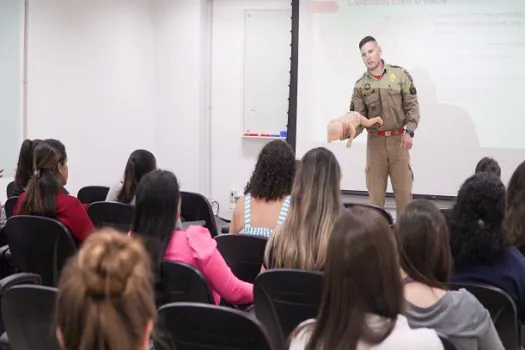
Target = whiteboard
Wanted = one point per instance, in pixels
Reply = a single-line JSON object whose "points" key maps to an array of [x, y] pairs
{"points": [[267, 70]]}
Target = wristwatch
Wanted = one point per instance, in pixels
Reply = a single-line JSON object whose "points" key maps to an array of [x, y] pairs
{"points": [[411, 133]]}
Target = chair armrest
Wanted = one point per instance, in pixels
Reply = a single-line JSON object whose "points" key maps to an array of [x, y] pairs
{"points": [[19, 278]]}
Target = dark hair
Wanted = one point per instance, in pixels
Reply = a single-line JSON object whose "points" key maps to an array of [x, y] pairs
{"points": [[476, 221], [154, 219], [515, 214], [487, 164], [366, 40], [24, 168], [105, 299], [361, 277], [46, 182], [423, 244], [274, 172], [140, 162]]}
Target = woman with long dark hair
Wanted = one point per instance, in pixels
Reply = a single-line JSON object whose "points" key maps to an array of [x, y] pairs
{"points": [[157, 211], [426, 263], [362, 301], [140, 163], [24, 168], [45, 195]]}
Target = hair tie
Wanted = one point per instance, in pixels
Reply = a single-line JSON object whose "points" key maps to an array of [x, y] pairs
{"points": [[36, 173]]}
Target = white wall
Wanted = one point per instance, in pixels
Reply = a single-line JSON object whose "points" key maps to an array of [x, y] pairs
{"points": [[233, 158], [91, 83]]}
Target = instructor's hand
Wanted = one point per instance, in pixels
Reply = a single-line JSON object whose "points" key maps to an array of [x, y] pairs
{"points": [[406, 141]]}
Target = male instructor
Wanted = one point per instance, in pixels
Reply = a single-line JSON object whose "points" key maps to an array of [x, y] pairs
{"points": [[386, 91]]}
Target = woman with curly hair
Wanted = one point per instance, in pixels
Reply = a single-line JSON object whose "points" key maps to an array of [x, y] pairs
{"points": [[267, 195], [480, 246], [515, 214]]}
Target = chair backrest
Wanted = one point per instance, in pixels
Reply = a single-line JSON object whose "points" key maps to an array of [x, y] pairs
{"points": [[28, 312], [10, 190], [196, 207], [194, 326], [9, 206], [39, 245], [243, 253], [447, 345], [284, 298], [92, 194], [184, 283], [14, 280], [502, 310], [111, 214], [385, 213]]}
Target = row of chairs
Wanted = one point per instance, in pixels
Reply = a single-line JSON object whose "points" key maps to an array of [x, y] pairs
{"points": [[188, 325]]}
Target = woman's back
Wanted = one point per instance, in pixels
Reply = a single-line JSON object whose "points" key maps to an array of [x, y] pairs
{"points": [[402, 336], [261, 217]]}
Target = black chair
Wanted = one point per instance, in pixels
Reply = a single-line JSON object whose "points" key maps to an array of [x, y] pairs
{"points": [[28, 313], [92, 194], [39, 245], [502, 310], [9, 206], [11, 281], [11, 190], [381, 211], [284, 298], [194, 326], [196, 207], [118, 216], [447, 345], [243, 253], [184, 283]]}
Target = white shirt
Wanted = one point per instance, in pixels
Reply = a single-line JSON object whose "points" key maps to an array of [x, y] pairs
{"points": [[402, 337]]}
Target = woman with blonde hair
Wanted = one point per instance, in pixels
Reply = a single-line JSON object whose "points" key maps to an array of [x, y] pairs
{"points": [[105, 296], [302, 240]]}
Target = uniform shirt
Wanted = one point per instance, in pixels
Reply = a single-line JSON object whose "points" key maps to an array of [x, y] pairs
{"points": [[393, 98]]}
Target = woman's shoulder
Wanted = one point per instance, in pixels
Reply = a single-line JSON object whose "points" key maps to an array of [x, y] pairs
{"points": [[301, 335], [196, 239], [404, 337]]}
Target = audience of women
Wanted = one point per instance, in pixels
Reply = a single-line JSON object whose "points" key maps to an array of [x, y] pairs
{"points": [[267, 195], [157, 210], [140, 163], [301, 241], [44, 195], [426, 264], [515, 209], [481, 249], [362, 302], [105, 298]]}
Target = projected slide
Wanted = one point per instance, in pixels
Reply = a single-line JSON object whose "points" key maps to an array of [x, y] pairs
{"points": [[466, 58]]}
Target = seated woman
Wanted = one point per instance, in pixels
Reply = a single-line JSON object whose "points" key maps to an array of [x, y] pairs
{"points": [[105, 298], [301, 241], [24, 168], [267, 195], [157, 211], [480, 246], [426, 263], [45, 191], [140, 162], [362, 301], [515, 209]]}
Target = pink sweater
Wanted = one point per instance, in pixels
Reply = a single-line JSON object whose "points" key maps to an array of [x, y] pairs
{"points": [[196, 247]]}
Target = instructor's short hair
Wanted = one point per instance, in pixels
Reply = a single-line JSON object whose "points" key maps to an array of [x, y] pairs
{"points": [[366, 40], [490, 165]]}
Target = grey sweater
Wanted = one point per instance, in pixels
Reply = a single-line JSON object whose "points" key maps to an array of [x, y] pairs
{"points": [[460, 317]]}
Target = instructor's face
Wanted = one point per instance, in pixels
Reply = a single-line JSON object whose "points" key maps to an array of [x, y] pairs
{"points": [[371, 55]]}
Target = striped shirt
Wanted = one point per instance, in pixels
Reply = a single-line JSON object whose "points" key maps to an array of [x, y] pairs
{"points": [[261, 231]]}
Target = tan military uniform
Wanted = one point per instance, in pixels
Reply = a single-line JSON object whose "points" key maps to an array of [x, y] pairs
{"points": [[393, 98]]}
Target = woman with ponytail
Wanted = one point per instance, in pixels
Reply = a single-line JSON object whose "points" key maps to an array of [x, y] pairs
{"points": [[140, 163], [44, 195], [24, 168], [105, 296]]}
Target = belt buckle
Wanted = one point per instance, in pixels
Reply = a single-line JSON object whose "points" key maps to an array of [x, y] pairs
{"points": [[388, 133]]}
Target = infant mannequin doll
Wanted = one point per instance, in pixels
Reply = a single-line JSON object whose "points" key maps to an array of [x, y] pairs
{"points": [[344, 128]]}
